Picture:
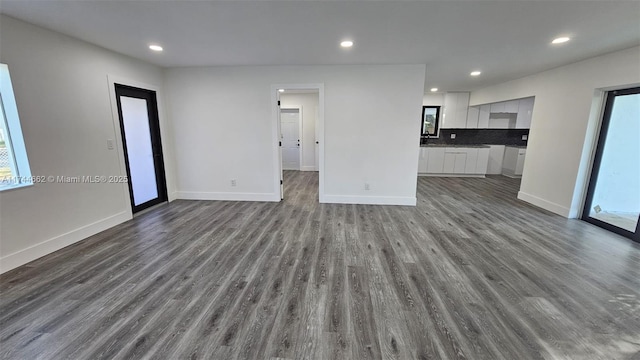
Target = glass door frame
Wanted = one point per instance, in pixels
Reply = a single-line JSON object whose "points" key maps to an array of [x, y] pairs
{"points": [[595, 170]]}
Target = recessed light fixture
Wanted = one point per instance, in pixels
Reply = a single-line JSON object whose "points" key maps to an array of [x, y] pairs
{"points": [[155, 47], [560, 40], [434, 89], [281, 90], [475, 73], [346, 44]]}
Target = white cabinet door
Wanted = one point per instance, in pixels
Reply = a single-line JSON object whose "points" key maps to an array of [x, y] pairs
{"points": [[472, 117], [511, 106], [482, 161], [422, 162], [460, 162], [462, 108], [520, 162], [435, 160], [471, 161], [496, 155], [455, 110], [525, 110], [449, 113], [483, 116], [497, 107], [449, 162]]}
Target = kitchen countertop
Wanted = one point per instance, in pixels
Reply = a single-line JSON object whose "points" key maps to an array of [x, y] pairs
{"points": [[456, 146], [517, 146]]}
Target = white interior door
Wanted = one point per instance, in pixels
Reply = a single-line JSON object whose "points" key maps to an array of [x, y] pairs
{"points": [[290, 137]]}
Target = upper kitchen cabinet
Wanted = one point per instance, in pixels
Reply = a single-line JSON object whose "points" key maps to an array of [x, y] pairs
{"points": [[483, 116], [525, 110], [511, 107], [472, 117], [456, 105]]}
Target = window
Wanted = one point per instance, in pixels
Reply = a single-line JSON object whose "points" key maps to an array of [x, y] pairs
{"points": [[430, 119], [14, 165]]}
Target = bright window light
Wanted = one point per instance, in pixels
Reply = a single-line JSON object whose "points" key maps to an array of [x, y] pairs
{"points": [[14, 164]]}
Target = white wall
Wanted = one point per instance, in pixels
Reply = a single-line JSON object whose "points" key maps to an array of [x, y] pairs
{"points": [[562, 127], [309, 103], [62, 93], [223, 130], [433, 100]]}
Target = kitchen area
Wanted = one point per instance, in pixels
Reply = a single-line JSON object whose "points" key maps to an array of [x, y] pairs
{"points": [[458, 140]]}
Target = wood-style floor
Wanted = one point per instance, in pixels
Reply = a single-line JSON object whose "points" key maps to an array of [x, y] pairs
{"points": [[470, 273]]}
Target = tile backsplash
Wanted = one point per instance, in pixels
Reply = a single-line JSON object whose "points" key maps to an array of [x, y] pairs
{"points": [[479, 137]]}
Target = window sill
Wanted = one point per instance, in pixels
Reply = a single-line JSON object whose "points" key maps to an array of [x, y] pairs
{"points": [[14, 187]]}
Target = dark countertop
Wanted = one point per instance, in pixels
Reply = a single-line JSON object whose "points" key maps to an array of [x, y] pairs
{"points": [[456, 146], [516, 146]]}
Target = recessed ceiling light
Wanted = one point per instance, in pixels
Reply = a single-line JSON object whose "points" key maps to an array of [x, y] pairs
{"points": [[475, 73], [281, 90], [434, 89], [155, 47], [346, 44], [560, 40]]}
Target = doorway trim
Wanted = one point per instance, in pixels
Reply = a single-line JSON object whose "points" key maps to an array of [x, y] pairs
{"points": [[299, 108], [275, 129], [112, 80]]}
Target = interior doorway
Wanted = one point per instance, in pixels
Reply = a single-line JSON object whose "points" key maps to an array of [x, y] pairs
{"points": [[613, 195], [142, 146], [299, 126]]}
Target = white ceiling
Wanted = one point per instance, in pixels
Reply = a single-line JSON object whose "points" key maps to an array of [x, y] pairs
{"points": [[504, 39]]}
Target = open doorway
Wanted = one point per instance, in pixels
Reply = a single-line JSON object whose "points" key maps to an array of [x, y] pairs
{"points": [[299, 123]]}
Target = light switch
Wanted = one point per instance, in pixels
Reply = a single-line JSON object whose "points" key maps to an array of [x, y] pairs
{"points": [[110, 144], [453, 136]]}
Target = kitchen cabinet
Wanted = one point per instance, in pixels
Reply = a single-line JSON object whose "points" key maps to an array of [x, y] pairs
{"points": [[496, 155], [513, 163], [525, 110], [497, 107], [482, 161], [471, 161], [455, 110], [511, 106], [483, 116], [452, 161], [423, 159], [435, 160], [472, 117]]}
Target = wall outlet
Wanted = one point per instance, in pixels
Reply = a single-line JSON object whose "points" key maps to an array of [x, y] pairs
{"points": [[110, 145], [525, 137], [367, 187], [233, 182], [453, 136]]}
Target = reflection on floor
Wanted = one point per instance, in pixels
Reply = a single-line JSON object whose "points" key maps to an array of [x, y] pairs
{"points": [[625, 221]]}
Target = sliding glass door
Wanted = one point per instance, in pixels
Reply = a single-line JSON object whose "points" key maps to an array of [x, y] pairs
{"points": [[613, 198]]}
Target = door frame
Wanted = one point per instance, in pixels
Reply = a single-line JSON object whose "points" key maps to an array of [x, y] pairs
{"points": [[118, 138], [275, 128], [300, 151], [602, 132]]}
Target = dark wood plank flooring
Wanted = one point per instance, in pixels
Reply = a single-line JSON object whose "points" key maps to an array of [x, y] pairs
{"points": [[469, 273]]}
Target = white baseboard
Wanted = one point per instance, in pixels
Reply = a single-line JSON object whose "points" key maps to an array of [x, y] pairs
{"points": [[227, 196], [453, 175], [46, 247], [369, 200], [308, 168], [545, 204], [172, 196]]}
